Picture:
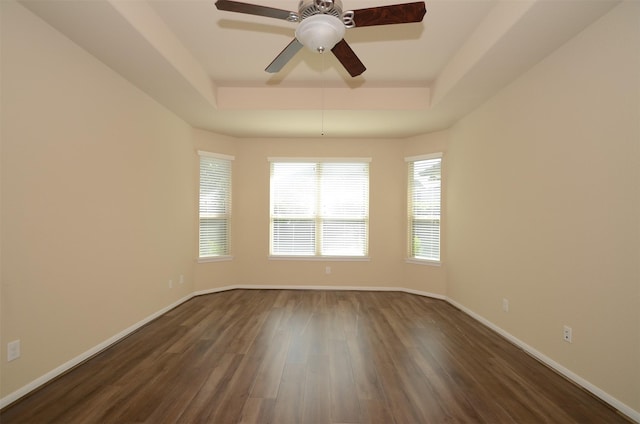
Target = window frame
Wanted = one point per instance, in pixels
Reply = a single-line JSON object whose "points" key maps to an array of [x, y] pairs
{"points": [[226, 216], [318, 217], [410, 251]]}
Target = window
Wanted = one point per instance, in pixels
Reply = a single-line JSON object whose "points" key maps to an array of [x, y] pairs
{"points": [[319, 209], [424, 207], [215, 205]]}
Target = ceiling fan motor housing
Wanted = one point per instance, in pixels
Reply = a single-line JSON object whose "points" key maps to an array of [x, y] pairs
{"points": [[307, 8]]}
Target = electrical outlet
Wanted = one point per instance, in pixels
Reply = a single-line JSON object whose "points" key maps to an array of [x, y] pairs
{"points": [[13, 350], [181, 279], [327, 270], [505, 305], [170, 284], [567, 334]]}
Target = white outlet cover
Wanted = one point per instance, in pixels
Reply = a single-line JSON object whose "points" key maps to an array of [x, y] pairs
{"points": [[13, 350], [505, 305]]}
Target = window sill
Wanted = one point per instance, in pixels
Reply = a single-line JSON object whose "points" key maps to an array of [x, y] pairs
{"points": [[319, 258], [427, 262], [214, 259]]}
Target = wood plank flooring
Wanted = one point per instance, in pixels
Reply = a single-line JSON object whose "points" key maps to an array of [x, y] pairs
{"points": [[287, 356]]}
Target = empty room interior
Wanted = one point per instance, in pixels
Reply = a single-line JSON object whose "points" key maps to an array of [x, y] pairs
{"points": [[152, 172]]}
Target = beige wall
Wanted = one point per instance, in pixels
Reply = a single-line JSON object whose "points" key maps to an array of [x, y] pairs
{"points": [[543, 206], [98, 200], [387, 234]]}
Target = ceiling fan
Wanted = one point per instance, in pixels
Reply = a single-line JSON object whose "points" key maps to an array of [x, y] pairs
{"points": [[322, 24]]}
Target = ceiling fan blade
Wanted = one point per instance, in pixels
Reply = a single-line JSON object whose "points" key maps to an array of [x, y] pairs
{"points": [[387, 15], [252, 9], [285, 56], [348, 58]]}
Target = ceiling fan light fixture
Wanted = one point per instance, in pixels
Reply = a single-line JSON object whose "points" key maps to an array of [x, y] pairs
{"points": [[320, 32]]}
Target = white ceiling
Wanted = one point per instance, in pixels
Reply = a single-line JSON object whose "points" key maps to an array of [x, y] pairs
{"points": [[208, 65]]}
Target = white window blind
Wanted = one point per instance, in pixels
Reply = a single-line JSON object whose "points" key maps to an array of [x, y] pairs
{"points": [[319, 208], [424, 207], [215, 205]]}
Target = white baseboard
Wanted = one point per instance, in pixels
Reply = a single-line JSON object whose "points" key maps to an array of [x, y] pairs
{"points": [[23, 391], [620, 406], [341, 288]]}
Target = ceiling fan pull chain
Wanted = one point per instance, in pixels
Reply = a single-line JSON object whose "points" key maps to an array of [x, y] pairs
{"points": [[322, 98]]}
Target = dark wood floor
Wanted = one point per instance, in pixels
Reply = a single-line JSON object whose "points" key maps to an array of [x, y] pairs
{"points": [[280, 356]]}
